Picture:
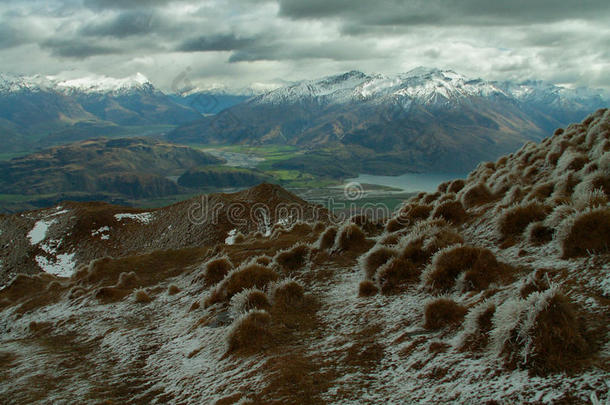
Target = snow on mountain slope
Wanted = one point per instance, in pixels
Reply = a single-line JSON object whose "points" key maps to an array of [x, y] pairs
{"points": [[426, 86], [93, 84]]}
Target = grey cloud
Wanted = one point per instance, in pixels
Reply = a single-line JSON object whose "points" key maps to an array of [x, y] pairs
{"points": [[444, 12], [10, 37], [225, 42], [77, 49], [124, 25]]}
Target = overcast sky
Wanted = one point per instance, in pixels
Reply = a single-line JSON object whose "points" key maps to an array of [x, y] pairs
{"points": [[260, 43]]}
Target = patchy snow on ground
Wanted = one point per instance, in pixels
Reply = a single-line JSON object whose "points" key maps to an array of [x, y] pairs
{"points": [[64, 265], [39, 232], [230, 240], [102, 233], [144, 217]]}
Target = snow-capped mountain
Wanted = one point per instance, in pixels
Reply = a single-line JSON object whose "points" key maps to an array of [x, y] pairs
{"points": [[425, 119], [64, 110], [87, 85], [422, 85]]}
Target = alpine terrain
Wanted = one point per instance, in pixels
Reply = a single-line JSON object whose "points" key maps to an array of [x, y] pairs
{"points": [[493, 289]]}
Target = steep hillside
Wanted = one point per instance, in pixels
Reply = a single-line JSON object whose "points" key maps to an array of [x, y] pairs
{"points": [[494, 289], [426, 119], [131, 168]]}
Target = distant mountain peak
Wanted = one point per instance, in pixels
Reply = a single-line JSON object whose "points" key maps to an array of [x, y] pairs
{"points": [[88, 84]]}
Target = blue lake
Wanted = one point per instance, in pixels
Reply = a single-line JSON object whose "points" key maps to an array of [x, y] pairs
{"points": [[409, 182]]}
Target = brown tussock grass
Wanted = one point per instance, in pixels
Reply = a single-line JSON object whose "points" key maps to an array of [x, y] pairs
{"points": [[538, 234], [215, 270], [173, 289], [478, 266], [251, 299], [535, 282], [443, 312], [248, 276], [142, 297], [395, 274], [327, 239], [250, 333], [452, 211], [294, 258], [478, 194], [456, 186], [288, 295], [513, 221], [367, 288], [375, 258], [479, 337], [585, 233], [350, 237]]}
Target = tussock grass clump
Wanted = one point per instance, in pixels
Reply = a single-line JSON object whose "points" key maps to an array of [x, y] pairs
{"points": [[244, 277], [127, 280], [142, 297], [477, 327], [442, 312], [370, 226], [249, 299], [391, 276], [416, 212], [426, 239], [109, 294], [596, 180], [456, 186], [327, 239], [350, 237], [216, 269], [173, 289], [513, 220], [250, 332], [263, 260], [452, 211], [375, 258], [396, 224], [543, 333], [537, 281], [477, 194], [542, 191], [430, 198], [287, 295], [294, 258], [478, 268], [584, 233], [538, 234], [591, 199], [367, 288]]}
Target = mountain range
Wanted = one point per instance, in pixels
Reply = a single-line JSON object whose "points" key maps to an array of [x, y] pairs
{"points": [[423, 120]]}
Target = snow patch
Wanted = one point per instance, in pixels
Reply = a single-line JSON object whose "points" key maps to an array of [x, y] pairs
{"points": [[39, 232], [144, 217], [63, 266], [230, 240]]}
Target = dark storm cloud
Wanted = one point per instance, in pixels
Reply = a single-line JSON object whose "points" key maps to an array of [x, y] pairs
{"points": [[124, 25], [224, 42], [444, 12], [280, 51], [10, 37], [76, 48]]}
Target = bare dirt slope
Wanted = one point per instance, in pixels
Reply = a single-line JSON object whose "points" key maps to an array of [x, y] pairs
{"points": [[495, 289]]}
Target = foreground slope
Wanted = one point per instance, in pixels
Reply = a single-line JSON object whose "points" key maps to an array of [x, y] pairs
{"points": [[492, 290]]}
